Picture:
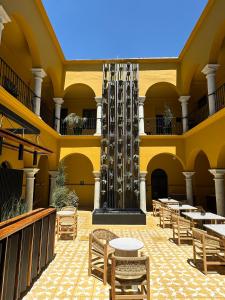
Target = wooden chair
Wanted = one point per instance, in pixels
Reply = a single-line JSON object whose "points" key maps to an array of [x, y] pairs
{"points": [[130, 271], [67, 225], [100, 251], [181, 228], [70, 208], [164, 216], [210, 249], [156, 207]]}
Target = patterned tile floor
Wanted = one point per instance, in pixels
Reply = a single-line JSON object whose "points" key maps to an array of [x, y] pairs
{"points": [[171, 272]]}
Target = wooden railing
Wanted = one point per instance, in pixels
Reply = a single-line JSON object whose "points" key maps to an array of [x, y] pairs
{"points": [[26, 248]]}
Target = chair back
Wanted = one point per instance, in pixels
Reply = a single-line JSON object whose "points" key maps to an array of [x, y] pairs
{"points": [[130, 267], [69, 208], [104, 234]]}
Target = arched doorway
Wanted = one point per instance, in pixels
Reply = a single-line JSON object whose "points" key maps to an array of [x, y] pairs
{"points": [[159, 183], [79, 177], [204, 194]]}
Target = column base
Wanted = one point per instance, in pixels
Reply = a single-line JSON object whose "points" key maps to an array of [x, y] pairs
{"points": [[143, 133], [97, 134]]}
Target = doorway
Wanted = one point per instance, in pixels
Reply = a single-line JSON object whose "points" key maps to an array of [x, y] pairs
{"points": [[159, 183]]}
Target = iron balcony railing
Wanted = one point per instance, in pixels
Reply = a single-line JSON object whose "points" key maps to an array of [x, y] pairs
{"points": [[13, 84], [163, 126], [87, 128], [220, 97], [198, 115]]}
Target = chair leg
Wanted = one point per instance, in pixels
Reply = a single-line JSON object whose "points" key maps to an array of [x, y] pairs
{"points": [[105, 270], [194, 253], [178, 235], [204, 263], [148, 290]]}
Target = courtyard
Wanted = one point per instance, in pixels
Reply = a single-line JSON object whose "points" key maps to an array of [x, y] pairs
{"points": [[172, 273]]}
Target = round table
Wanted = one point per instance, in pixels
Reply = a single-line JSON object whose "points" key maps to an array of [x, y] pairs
{"points": [[65, 213], [126, 246]]}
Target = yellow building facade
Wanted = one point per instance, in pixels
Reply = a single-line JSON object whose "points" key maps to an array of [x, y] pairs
{"points": [[186, 159]]}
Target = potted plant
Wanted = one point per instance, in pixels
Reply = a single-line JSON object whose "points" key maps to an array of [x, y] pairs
{"points": [[12, 208], [75, 122]]}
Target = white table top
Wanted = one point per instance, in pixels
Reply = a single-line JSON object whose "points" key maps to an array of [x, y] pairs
{"points": [[126, 244], [206, 216], [182, 207], [65, 213], [217, 228], [166, 200]]}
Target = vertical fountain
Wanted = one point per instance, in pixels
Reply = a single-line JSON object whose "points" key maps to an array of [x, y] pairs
{"points": [[120, 188]]}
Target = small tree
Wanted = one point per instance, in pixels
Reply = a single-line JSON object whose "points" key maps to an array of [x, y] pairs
{"points": [[12, 208], [62, 196]]}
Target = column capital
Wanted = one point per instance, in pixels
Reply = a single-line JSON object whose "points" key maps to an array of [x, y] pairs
{"points": [[53, 174], [30, 172], [58, 101], [143, 175], [142, 99], [4, 17], [184, 99], [38, 73], [188, 174], [210, 69], [96, 174], [217, 173], [98, 100]]}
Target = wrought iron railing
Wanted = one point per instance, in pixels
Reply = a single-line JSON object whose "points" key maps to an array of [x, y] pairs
{"points": [[220, 97], [198, 115], [47, 114], [13, 84], [163, 126], [87, 128]]}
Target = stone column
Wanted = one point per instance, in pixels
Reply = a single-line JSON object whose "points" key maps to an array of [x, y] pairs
{"points": [[143, 191], [4, 19], [99, 116], [141, 116], [58, 105], [219, 190], [29, 195], [53, 175], [39, 74], [189, 190], [184, 104], [210, 72], [97, 189]]}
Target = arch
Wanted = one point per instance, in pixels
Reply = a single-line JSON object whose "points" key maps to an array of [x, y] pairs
{"points": [[187, 77], [57, 88], [79, 177], [163, 85], [173, 167], [203, 185], [217, 43], [78, 89], [192, 158], [29, 35], [221, 158]]}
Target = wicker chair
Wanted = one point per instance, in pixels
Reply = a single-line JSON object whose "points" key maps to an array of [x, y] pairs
{"points": [[67, 225], [130, 271], [164, 216], [181, 228], [100, 251], [210, 249], [156, 207]]}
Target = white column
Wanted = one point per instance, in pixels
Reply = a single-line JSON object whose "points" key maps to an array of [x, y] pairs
{"points": [[53, 175], [184, 104], [219, 190], [39, 74], [143, 191], [97, 189], [210, 72], [29, 195], [58, 105], [99, 116], [4, 18], [141, 116], [189, 189]]}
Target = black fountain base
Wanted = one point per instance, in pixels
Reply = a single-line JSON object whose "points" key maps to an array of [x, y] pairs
{"points": [[119, 216]]}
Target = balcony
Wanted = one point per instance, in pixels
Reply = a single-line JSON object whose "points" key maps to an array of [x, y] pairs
{"points": [[87, 128], [161, 126], [220, 97]]}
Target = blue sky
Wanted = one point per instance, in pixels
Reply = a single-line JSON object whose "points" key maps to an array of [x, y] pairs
{"points": [[92, 29]]}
